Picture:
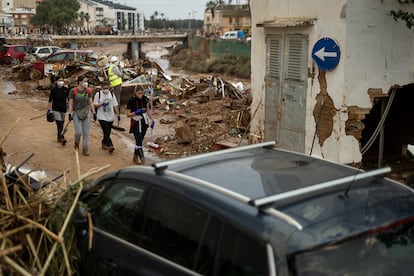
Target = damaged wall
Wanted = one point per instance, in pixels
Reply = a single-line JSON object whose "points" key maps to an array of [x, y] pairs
{"points": [[375, 52]]}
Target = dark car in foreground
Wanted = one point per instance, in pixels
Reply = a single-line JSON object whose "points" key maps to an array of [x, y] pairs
{"points": [[13, 54], [252, 210]]}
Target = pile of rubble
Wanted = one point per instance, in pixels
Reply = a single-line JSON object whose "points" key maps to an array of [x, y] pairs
{"points": [[202, 115], [37, 236]]}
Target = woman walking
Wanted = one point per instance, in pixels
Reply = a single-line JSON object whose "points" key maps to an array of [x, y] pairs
{"points": [[57, 103], [106, 106], [138, 109], [80, 103]]}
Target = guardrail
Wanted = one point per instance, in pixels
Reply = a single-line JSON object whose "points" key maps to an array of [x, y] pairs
{"points": [[60, 40]]}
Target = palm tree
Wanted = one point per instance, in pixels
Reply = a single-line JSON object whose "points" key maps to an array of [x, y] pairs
{"points": [[87, 18], [81, 17], [211, 6]]}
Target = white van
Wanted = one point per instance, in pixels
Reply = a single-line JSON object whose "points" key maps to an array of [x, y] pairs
{"points": [[230, 35]]}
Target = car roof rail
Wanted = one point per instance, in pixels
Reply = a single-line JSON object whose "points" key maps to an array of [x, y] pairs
{"points": [[265, 202], [234, 195], [161, 166]]}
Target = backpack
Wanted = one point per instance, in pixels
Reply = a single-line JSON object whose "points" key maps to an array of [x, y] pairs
{"points": [[75, 91], [99, 94]]}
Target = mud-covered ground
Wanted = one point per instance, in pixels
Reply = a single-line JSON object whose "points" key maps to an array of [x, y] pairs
{"points": [[24, 101]]}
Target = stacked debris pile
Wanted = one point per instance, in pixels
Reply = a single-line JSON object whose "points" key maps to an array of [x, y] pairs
{"points": [[37, 235], [203, 115]]}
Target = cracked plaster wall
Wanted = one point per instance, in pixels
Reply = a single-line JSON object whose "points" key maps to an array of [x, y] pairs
{"points": [[376, 53]]}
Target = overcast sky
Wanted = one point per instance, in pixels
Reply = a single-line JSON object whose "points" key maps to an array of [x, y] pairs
{"points": [[173, 9]]}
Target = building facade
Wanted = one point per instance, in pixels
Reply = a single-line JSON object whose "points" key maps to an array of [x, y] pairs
{"points": [[15, 16], [227, 18], [122, 17], [330, 112]]}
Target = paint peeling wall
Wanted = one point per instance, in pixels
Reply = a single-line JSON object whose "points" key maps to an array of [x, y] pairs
{"points": [[376, 52]]}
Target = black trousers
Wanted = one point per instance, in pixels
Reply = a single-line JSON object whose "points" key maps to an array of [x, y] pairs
{"points": [[139, 134], [106, 129], [59, 125]]}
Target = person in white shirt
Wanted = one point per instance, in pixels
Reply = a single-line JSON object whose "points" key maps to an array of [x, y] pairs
{"points": [[106, 105]]}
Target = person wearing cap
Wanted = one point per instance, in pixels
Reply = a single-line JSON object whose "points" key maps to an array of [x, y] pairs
{"points": [[115, 79], [139, 110]]}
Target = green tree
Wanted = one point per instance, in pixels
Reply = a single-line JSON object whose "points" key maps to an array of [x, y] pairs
{"points": [[55, 13], [212, 5]]}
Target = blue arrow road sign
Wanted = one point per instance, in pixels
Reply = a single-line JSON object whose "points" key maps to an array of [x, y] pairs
{"points": [[326, 53]]}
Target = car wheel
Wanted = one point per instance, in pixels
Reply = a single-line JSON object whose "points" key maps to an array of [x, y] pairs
{"points": [[15, 61], [35, 74]]}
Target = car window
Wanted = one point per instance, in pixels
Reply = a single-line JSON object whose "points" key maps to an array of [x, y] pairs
{"points": [[116, 208], [208, 247], [4, 49], [20, 49], [386, 250], [58, 57], [44, 51], [54, 49], [240, 254], [173, 228]]}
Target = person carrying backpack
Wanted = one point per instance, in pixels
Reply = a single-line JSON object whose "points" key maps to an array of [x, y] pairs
{"points": [[57, 103], [80, 103], [106, 106]]}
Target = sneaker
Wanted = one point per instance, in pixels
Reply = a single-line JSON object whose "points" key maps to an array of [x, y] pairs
{"points": [[111, 149], [104, 147], [63, 142]]}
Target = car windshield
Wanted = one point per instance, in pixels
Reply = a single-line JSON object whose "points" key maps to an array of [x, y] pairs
{"points": [[4, 49], [387, 250]]}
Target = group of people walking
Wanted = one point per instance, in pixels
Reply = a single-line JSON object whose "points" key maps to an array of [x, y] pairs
{"points": [[103, 107]]}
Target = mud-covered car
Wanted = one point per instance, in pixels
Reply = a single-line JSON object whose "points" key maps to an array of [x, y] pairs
{"points": [[13, 54], [60, 62], [35, 53], [253, 210]]}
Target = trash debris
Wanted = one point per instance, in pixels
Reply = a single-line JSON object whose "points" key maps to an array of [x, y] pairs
{"points": [[38, 237]]}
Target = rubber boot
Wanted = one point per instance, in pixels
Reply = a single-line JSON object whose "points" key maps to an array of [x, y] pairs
{"points": [[111, 149], [141, 156], [85, 152], [76, 145], [63, 140]]}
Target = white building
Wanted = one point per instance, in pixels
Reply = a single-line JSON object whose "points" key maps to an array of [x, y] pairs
{"points": [[123, 17], [88, 10], [330, 113]]}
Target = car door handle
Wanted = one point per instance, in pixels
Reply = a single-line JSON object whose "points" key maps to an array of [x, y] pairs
{"points": [[110, 263]]}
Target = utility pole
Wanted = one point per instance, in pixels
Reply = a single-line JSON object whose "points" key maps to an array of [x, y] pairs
{"points": [[189, 20]]}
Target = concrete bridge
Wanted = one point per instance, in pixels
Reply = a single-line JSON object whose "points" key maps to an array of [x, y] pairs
{"points": [[73, 41]]}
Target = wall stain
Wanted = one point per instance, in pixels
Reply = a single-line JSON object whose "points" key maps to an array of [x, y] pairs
{"points": [[324, 110]]}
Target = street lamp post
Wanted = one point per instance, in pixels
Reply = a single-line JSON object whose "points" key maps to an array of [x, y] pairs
{"points": [[189, 21]]}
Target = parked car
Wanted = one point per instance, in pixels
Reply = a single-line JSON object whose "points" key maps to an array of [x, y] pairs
{"points": [[40, 52], [233, 35], [59, 60], [253, 210], [12, 54]]}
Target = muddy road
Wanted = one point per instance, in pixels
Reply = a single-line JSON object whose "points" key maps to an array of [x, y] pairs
{"points": [[19, 101]]}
